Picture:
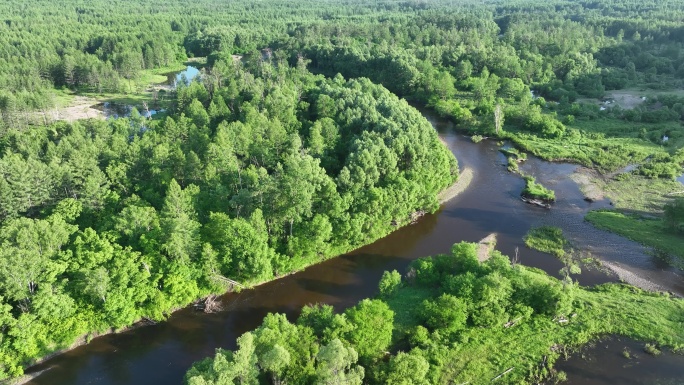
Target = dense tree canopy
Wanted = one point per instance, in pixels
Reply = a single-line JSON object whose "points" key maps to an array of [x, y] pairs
{"points": [[118, 220]]}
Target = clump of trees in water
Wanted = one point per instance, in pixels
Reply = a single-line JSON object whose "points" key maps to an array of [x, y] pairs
{"points": [[107, 222], [450, 319], [536, 191]]}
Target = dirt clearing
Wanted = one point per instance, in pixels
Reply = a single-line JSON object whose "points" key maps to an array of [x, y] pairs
{"points": [[81, 107], [588, 181], [626, 99]]}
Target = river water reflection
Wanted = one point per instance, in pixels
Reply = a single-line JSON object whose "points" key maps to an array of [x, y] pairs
{"points": [[622, 361], [186, 76], [160, 354]]}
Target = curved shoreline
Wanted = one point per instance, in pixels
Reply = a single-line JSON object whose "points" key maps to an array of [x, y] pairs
{"points": [[464, 179], [632, 278], [451, 192]]}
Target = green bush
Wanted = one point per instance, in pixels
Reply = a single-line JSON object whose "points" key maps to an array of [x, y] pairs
{"points": [[674, 215], [652, 349], [535, 190], [446, 312], [548, 239], [389, 283]]}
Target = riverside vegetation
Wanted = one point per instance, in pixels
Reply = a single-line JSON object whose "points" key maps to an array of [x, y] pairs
{"points": [[262, 168], [105, 223], [449, 319], [664, 234], [548, 239]]}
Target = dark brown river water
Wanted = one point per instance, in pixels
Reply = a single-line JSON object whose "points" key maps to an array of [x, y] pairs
{"points": [[162, 353], [605, 363]]}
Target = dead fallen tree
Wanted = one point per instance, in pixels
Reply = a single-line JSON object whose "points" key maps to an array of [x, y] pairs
{"points": [[502, 374], [416, 215], [229, 281], [536, 202], [211, 304]]}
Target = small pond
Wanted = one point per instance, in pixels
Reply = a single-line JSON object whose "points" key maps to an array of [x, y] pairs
{"points": [[121, 110], [186, 76]]}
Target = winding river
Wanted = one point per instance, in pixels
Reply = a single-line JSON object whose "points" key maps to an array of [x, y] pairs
{"points": [[161, 354]]}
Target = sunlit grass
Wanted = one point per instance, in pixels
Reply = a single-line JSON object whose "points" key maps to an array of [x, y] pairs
{"points": [[548, 239], [637, 193]]}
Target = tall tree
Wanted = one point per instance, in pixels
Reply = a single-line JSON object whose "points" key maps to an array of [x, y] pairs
{"points": [[178, 222]]}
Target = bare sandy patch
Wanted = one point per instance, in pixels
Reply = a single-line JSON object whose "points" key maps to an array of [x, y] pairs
{"points": [[81, 107], [464, 179], [626, 99], [589, 183], [632, 278], [485, 247]]}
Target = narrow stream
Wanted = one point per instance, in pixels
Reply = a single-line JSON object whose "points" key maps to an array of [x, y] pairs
{"points": [[162, 353], [568, 213]]}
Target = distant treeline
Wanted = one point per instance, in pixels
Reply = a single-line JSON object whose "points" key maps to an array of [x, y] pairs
{"points": [[463, 58]]}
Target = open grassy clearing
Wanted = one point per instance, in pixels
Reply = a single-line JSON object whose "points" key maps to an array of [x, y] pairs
{"points": [[629, 98], [605, 154], [148, 87], [635, 136], [639, 194]]}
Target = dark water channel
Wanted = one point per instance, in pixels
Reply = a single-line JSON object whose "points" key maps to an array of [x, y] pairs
{"points": [[160, 354], [622, 361]]}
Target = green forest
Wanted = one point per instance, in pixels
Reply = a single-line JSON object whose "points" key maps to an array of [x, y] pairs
{"points": [[105, 223], [297, 144]]}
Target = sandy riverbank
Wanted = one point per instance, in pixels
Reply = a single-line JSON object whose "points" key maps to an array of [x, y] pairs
{"points": [[588, 181], [631, 278], [485, 247], [451, 192]]}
